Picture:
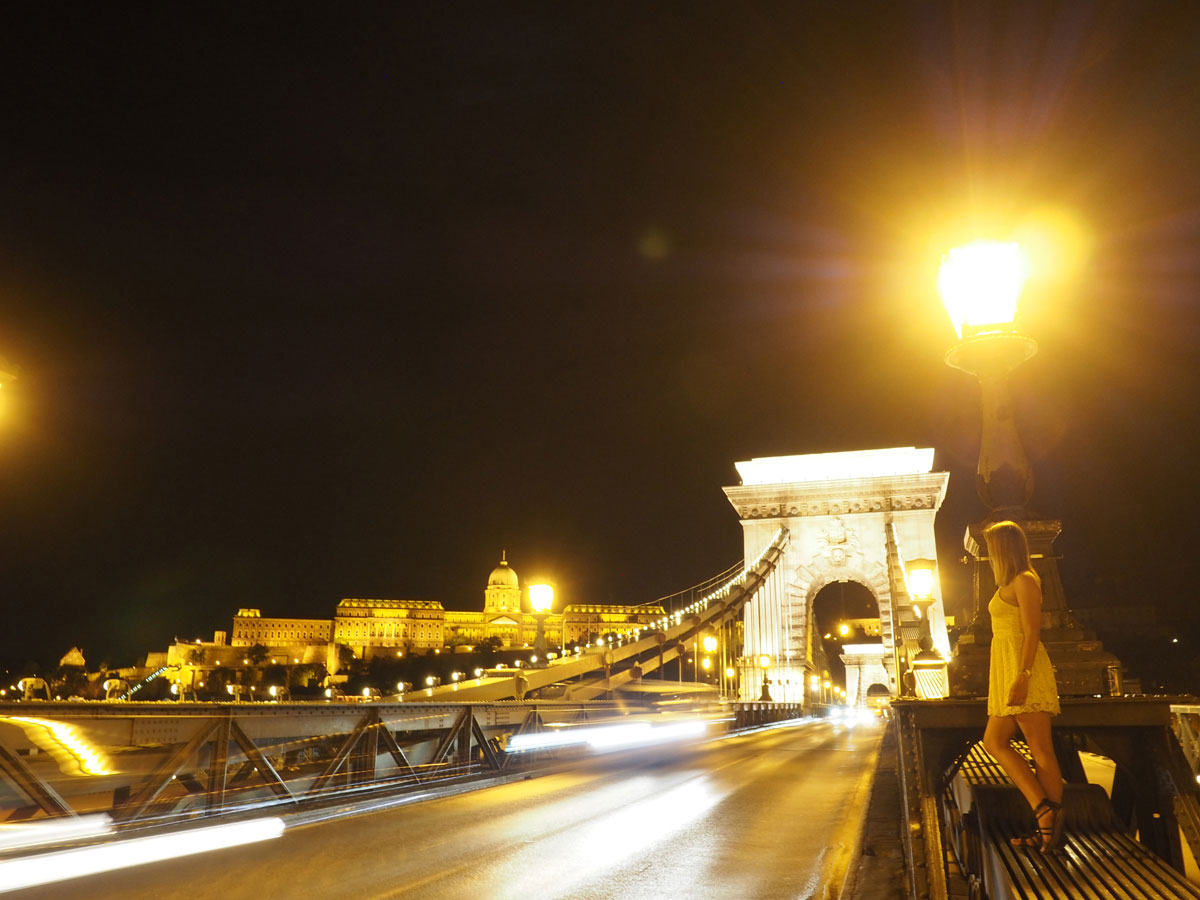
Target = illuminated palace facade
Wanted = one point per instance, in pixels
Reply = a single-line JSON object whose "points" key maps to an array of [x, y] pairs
{"points": [[373, 628]]}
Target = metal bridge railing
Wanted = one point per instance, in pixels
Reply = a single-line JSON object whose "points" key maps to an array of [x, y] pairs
{"points": [[1185, 722]]}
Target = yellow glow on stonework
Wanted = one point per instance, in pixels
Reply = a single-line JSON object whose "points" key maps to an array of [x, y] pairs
{"points": [[64, 738], [981, 282]]}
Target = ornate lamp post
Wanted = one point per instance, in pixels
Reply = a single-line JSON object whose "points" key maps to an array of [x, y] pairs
{"points": [[980, 284], [541, 598], [764, 663], [928, 666]]}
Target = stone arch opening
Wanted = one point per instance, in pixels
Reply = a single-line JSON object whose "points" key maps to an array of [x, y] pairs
{"points": [[843, 612]]}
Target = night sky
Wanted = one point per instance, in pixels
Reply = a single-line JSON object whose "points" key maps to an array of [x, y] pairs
{"points": [[313, 302]]}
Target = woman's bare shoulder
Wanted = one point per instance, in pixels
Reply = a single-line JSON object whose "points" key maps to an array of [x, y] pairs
{"points": [[1027, 583]]}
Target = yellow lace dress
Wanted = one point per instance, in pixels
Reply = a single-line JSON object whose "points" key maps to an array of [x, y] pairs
{"points": [[1006, 663]]}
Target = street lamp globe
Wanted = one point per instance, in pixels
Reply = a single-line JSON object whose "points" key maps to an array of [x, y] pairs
{"points": [[921, 574], [980, 284], [710, 643], [541, 597]]}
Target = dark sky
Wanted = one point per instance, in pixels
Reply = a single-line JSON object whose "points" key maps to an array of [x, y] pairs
{"points": [[313, 302]]}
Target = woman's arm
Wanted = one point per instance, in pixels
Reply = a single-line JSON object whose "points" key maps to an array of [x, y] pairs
{"points": [[1029, 600]]}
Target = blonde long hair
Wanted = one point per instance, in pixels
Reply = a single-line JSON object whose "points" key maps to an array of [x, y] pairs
{"points": [[1008, 551]]}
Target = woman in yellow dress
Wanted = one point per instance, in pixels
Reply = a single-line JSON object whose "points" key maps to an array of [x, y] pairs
{"points": [[1022, 692]]}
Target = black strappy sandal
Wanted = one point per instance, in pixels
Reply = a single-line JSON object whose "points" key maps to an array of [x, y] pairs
{"points": [[1043, 837], [1057, 828]]}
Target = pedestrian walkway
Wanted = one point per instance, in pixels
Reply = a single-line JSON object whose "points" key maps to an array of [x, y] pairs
{"points": [[878, 873]]}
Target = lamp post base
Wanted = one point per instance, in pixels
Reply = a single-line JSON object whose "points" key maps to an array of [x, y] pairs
{"points": [[1082, 667]]}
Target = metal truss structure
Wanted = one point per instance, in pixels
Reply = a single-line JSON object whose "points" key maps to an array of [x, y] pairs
{"points": [[150, 762]]}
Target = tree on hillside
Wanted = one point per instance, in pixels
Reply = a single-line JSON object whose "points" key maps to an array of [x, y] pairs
{"points": [[488, 647]]}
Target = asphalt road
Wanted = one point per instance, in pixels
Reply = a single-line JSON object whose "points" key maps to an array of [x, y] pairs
{"points": [[764, 815]]}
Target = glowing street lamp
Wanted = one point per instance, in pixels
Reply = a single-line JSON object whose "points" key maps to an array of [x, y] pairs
{"points": [[931, 679], [764, 663], [980, 285], [541, 599], [921, 573]]}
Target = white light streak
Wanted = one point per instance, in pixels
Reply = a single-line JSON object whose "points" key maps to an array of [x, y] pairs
{"points": [[48, 831], [62, 865], [609, 737]]}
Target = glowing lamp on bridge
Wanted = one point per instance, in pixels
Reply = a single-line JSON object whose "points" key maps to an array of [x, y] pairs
{"points": [[710, 643], [764, 663], [541, 600], [980, 285], [920, 584], [929, 668]]}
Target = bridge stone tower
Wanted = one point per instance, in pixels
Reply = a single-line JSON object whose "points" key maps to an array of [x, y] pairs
{"points": [[853, 516]]}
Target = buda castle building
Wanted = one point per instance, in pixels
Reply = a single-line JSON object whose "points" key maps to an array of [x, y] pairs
{"points": [[373, 628]]}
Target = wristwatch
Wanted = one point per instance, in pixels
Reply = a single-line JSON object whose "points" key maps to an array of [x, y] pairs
{"points": [[1025, 672]]}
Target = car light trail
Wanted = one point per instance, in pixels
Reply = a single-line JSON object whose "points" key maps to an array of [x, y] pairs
{"points": [[61, 865], [33, 834], [609, 737]]}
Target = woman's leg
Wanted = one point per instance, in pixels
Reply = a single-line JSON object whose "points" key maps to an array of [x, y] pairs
{"points": [[1036, 728], [997, 740]]}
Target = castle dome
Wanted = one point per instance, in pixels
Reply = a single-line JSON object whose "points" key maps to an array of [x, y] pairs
{"points": [[503, 575]]}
